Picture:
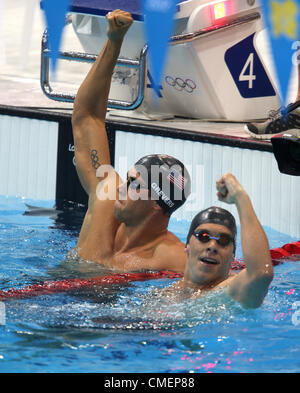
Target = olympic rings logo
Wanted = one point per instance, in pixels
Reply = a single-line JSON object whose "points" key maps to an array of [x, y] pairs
{"points": [[95, 159], [179, 84]]}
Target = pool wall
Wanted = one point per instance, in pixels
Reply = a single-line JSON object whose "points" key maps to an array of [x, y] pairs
{"points": [[37, 161], [28, 157]]}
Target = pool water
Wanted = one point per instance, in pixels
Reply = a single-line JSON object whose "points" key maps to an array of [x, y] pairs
{"points": [[131, 328]]}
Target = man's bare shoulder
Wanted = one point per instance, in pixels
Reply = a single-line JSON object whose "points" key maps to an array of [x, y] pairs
{"points": [[99, 221], [170, 242], [170, 252]]}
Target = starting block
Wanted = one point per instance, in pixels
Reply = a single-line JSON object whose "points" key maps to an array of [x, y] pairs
{"points": [[215, 68]]}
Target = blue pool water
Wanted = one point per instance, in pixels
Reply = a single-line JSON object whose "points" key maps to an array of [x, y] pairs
{"points": [[132, 328]]}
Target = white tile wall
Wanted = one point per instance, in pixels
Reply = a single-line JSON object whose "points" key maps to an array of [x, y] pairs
{"points": [[28, 157]]}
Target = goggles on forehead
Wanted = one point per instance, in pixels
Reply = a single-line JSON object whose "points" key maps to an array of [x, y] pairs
{"points": [[223, 239]]}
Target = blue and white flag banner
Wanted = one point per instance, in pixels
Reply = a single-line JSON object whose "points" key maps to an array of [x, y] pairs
{"points": [[159, 22], [282, 19], [55, 14]]}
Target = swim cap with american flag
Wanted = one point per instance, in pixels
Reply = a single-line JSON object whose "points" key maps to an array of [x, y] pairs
{"points": [[167, 180]]}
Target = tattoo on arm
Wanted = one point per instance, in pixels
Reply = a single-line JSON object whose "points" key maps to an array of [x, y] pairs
{"points": [[95, 159]]}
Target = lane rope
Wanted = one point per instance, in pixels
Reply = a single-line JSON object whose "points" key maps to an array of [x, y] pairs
{"points": [[49, 287], [290, 252]]}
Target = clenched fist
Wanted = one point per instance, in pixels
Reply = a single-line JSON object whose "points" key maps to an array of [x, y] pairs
{"points": [[118, 24], [229, 189]]}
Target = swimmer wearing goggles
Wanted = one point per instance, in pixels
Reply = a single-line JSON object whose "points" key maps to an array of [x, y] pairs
{"points": [[211, 246]]}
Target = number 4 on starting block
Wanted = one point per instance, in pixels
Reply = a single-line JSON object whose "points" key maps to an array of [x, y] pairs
{"points": [[247, 70]]}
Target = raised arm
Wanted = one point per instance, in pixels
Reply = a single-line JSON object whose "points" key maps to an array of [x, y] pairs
{"points": [[251, 285], [90, 106]]}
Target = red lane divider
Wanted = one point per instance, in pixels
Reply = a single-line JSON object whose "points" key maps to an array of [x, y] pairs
{"points": [[49, 287], [289, 251]]}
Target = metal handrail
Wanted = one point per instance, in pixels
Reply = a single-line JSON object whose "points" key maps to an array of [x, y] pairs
{"points": [[89, 58]]}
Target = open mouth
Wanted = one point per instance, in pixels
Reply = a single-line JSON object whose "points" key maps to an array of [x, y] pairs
{"points": [[209, 261]]}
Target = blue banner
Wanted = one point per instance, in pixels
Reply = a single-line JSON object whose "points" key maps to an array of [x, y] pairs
{"points": [[55, 15], [159, 21], [282, 21]]}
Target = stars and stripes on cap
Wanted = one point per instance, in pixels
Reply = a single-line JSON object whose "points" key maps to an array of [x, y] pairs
{"points": [[177, 179]]}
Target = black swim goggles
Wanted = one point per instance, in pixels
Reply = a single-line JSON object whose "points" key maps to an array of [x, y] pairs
{"points": [[223, 239]]}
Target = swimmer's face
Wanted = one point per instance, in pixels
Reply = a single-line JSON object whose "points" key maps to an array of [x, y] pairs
{"points": [[209, 262], [133, 202]]}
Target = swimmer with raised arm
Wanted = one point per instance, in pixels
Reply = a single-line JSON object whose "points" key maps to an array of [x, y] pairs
{"points": [[210, 249], [126, 228]]}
